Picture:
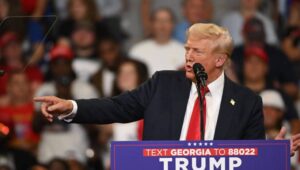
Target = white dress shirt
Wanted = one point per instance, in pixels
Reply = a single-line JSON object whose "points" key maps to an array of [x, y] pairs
{"points": [[213, 103]]}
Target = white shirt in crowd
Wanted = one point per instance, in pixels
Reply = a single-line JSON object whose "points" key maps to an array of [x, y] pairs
{"points": [[169, 56], [213, 102]]}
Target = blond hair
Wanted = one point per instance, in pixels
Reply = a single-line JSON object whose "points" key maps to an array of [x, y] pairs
{"points": [[222, 39]]}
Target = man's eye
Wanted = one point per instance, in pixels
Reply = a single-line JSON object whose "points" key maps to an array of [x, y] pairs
{"points": [[198, 51]]}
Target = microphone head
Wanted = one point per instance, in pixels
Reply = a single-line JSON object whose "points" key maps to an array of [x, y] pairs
{"points": [[199, 71], [197, 67]]}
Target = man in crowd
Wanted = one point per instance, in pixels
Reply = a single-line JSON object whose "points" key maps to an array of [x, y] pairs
{"points": [[160, 52]]}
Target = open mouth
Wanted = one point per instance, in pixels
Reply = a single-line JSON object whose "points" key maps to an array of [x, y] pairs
{"points": [[189, 67]]}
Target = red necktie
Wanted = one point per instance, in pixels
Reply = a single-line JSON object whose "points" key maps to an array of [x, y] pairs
{"points": [[194, 132]]}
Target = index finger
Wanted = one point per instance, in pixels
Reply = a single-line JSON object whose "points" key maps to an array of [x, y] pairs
{"points": [[43, 99]]}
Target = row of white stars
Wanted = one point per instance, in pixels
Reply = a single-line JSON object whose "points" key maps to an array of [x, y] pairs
{"points": [[200, 144]]}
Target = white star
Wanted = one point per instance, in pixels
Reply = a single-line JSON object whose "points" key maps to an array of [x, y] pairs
{"points": [[200, 144], [195, 144], [189, 144], [205, 144], [211, 144]]}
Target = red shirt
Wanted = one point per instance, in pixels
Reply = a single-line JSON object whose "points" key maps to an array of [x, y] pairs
{"points": [[19, 120], [33, 73]]}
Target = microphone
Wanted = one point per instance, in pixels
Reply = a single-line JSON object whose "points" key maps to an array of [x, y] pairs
{"points": [[201, 77], [200, 74]]}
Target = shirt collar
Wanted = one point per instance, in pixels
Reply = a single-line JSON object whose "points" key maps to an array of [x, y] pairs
{"points": [[215, 88]]}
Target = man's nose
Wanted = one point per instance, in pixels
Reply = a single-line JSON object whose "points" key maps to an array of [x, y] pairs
{"points": [[188, 55]]}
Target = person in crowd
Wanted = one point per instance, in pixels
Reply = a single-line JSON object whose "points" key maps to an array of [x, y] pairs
{"points": [[13, 58], [160, 51], [234, 21], [256, 64], [110, 55], [291, 37], [194, 11], [83, 40], [61, 57], [130, 74], [13, 158], [9, 24], [58, 139], [254, 34], [19, 111], [274, 110], [86, 11]]}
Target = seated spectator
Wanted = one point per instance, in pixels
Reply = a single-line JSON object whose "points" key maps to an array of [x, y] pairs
{"points": [[81, 11], [235, 21], [13, 59], [61, 57], [291, 37], [256, 78], [10, 8], [19, 111], [130, 75], [160, 51], [110, 55], [83, 40], [274, 110], [254, 34], [194, 11]]}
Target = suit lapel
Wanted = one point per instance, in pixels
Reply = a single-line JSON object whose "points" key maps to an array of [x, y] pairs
{"points": [[179, 101], [227, 110]]}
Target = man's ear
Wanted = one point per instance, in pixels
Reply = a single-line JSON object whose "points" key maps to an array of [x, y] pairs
{"points": [[220, 60]]}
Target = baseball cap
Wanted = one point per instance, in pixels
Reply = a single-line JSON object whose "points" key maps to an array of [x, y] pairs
{"points": [[256, 51], [272, 98], [61, 52]]}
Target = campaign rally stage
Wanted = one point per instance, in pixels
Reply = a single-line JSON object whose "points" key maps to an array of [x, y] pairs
{"points": [[201, 155]]}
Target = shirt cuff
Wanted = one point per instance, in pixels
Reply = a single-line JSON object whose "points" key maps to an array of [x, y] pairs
{"points": [[69, 117]]}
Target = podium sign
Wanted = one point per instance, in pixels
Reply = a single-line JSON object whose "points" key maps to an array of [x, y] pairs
{"points": [[201, 155]]}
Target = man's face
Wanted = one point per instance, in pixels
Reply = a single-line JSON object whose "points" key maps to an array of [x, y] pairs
{"points": [[83, 38], [201, 51], [254, 68], [61, 67], [18, 87], [162, 24], [194, 11], [272, 116], [109, 52]]}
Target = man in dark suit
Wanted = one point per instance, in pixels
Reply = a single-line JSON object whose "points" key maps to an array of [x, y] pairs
{"points": [[168, 101]]}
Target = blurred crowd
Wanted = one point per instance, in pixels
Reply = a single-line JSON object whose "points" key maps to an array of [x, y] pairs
{"points": [[100, 48]]}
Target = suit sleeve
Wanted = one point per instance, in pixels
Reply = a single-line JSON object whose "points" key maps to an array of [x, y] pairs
{"points": [[127, 107], [255, 127]]}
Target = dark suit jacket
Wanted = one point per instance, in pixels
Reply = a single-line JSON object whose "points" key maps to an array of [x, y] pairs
{"points": [[162, 102]]}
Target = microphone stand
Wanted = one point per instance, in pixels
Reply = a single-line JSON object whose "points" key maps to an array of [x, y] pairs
{"points": [[201, 98]]}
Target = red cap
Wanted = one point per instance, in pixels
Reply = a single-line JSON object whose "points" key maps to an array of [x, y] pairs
{"points": [[258, 52], [61, 51], [7, 38]]}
